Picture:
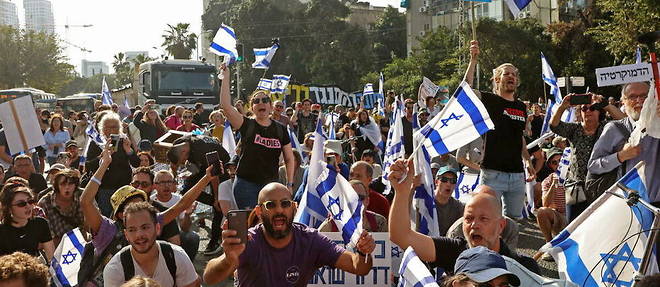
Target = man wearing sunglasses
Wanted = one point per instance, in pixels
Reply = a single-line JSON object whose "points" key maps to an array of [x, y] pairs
{"points": [[448, 208], [279, 252]]}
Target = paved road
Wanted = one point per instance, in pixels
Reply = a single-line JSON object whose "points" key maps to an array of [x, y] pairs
{"points": [[529, 241]]}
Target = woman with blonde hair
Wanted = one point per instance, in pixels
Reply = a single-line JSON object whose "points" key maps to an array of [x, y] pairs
{"points": [[217, 128], [149, 123]]}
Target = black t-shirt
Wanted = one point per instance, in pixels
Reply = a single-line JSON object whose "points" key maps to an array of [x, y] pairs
{"points": [[3, 142], [537, 125], [25, 239], [261, 149], [447, 251], [199, 146], [407, 136], [503, 145], [169, 230]]}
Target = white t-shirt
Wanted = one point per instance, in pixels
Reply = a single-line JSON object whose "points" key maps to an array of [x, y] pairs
{"points": [[113, 273], [173, 200], [226, 192]]}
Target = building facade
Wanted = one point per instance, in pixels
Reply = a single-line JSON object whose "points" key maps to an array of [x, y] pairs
{"points": [[39, 16], [91, 68], [364, 15], [8, 14]]}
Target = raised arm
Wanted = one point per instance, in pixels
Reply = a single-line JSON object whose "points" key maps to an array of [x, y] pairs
{"points": [[218, 269], [474, 56], [360, 262], [188, 198], [234, 117], [91, 214], [399, 221]]}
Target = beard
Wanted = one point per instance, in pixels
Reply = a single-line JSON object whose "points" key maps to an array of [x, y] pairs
{"points": [[150, 245], [277, 234], [632, 113]]}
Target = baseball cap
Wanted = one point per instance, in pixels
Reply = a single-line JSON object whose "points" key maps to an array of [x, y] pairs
{"points": [[56, 167], [71, 143], [481, 265], [445, 169], [123, 194], [553, 152], [233, 161], [145, 145]]}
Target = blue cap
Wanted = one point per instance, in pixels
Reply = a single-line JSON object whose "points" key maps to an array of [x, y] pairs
{"points": [[481, 265], [445, 169]]}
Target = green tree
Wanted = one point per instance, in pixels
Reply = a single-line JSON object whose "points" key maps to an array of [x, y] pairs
{"points": [[178, 41], [389, 36], [87, 85], [123, 71]]}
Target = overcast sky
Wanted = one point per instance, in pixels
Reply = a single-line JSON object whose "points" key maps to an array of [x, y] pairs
{"points": [[124, 25]]}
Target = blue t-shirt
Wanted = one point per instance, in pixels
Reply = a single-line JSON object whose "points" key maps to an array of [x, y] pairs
{"points": [[293, 265]]}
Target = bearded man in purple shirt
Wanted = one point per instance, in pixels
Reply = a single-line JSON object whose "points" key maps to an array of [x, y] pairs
{"points": [[282, 253]]}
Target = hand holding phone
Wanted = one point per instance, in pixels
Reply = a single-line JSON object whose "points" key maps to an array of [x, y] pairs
{"points": [[114, 142], [237, 221], [213, 159]]}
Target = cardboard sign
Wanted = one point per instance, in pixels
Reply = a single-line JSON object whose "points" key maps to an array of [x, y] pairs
{"points": [[21, 125], [618, 75], [386, 261]]}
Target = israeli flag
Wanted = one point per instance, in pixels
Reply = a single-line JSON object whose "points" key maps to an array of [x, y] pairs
{"points": [[224, 44], [312, 211], [371, 131], [466, 183], [589, 255], [279, 83], [564, 163], [463, 119], [106, 96], [638, 55], [66, 260], [381, 95], [368, 90], [296, 145], [228, 140], [331, 126], [342, 203], [264, 84], [413, 272], [394, 146], [516, 6], [424, 202], [263, 57], [125, 109], [549, 78], [94, 135]]}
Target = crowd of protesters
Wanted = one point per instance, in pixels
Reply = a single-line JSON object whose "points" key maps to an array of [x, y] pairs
{"points": [[139, 213]]}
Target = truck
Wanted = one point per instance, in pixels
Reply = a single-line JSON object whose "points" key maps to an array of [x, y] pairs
{"points": [[177, 82]]}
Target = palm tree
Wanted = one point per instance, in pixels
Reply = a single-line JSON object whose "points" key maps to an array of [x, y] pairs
{"points": [[179, 42], [122, 67]]}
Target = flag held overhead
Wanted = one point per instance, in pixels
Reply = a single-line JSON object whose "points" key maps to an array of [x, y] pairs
{"points": [[263, 56], [224, 44]]}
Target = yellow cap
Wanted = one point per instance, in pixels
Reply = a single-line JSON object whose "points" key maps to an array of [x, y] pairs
{"points": [[122, 194]]}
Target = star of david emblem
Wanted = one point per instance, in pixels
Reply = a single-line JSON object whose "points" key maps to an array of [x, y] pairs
{"points": [[334, 201], [396, 252], [465, 189], [612, 260], [69, 257], [451, 117]]}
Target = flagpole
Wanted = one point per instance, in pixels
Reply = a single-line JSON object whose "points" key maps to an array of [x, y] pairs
{"points": [[474, 29]]}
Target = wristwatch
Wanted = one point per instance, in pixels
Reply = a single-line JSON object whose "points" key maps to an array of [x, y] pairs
{"points": [[289, 184]]}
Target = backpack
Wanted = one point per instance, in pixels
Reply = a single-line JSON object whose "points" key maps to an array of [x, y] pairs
{"points": [[91, 266], [168, 254], [596, 184]]}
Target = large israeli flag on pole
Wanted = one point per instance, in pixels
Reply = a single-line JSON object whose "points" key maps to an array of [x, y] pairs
{"points": [[424, 202], [263, 57], [106, 96], [312, 211], [463, 119], [516, 5], [66, 260], [228, 140], [413, 272], [394, 146], [279, 83], [224, 44], [342, 202], [549, 78], [589, 255]]}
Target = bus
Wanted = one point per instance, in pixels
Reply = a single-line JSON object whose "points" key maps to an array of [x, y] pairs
{"points": [[177, 82], [41, 99], [78, 103]]}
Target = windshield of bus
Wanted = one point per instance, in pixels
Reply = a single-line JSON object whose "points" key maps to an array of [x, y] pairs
{"points": [[185, 80], [77, 105]]}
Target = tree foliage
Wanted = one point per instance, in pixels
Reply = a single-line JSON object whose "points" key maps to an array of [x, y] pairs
{"points": [[123, 71], [178, 41], [88, 85], [32, 59], [389, 37]]}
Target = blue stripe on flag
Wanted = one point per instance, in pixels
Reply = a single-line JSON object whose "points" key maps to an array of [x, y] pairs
{"points": [[59, 274], [229, 31], [438, 143], [424, 281], [261, 52], [577, 271], [222, 50], [473, 112], [351, 225], [457, 193], [74, 240]]}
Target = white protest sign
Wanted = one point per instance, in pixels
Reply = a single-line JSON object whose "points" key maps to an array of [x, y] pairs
{"points": [[618, 75], [426, 89], [21, 125], [386, 260]]}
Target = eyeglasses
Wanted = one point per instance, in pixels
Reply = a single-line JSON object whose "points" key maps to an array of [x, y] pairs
{"points": [[24, 203], [448, 179], [140, 184], [272, 204], [166, 182], [263, 100], [635, 97]]}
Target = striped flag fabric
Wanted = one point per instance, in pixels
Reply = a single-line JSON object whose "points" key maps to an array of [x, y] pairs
{"points": [[553, 104], [312, 212], [589, 255], [394, 146], [296, 145], [94, 135], [265, 84], [466, 183], [224, 44], [66, 260], [279, 83], [564, 163], [424, 202], [517, 5], [413, 272], [638, 55], [106, 96], [381, 95], [463, 119], [263, 56], [228, 140]]}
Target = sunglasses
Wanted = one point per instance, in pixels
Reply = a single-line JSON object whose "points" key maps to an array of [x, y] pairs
{"points": [[448, 179], [279, 106], [263, 100], [586, 108], [24, 203], [140, 184], [272, 204]]}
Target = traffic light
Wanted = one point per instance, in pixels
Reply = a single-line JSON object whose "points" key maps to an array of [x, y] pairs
{"points": [[239, 49], [232, 89]]}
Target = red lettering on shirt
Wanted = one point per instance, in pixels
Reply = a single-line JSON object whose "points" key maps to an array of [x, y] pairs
{"points": [[514, 114], [267, 142]]}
